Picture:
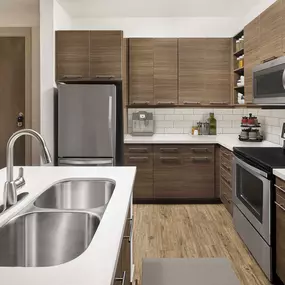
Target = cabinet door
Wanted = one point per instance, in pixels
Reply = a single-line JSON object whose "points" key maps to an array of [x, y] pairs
{"points": [[72, 54], [252, 55], [165, 71], [271, 32], [142, 158], [106, 51], [217, 72], [141, 71], [126, 250], [280, 237], [192, 77]]}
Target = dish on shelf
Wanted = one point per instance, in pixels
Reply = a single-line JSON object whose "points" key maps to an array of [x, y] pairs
{"points": [[258, 139]]}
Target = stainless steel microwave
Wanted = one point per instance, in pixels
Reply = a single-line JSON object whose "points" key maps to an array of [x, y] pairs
{"points": [[269, 82]]}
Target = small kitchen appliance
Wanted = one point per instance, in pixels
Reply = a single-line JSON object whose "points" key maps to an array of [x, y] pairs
{"points": [[142, 124]]}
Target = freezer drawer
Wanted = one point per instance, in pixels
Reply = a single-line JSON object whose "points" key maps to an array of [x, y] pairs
{"points": [[85, 162]]}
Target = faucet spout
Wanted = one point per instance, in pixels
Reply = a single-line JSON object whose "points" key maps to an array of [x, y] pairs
{"points": [[11, 185]]}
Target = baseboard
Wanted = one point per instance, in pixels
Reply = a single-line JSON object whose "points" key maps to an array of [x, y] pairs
{"points": [[177, 201]]}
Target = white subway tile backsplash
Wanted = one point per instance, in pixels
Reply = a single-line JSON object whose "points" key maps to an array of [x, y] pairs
{"points": [[164, 124], [164, 111], [181, 120], [173, 117], [183, 111], [174, 130]]}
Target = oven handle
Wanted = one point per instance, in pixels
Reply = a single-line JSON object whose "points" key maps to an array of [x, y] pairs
{"points": [[283, 79], [247, 166]]}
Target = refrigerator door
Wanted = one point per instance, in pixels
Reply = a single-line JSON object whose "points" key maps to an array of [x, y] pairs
{"points": [[86, 120], [85, 162]]}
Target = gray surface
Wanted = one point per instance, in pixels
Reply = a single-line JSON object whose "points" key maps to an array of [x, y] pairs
{"points": [[182, 271], [260, 250], [46, 238], [77, 195], [84, 128]]}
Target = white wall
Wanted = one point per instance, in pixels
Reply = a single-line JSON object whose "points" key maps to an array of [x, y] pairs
{"points": [[47, 71], [62, 20], [257, 10], [162, 27]]}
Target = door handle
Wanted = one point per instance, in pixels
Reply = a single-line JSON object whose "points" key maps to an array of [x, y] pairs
{"points": [[191, 103], [169, 150], [280, 188], [200, 159], [280, 206], [269, 59], [226, 167], [165, 103], [122, 279], [129, 237], [226, 180]]}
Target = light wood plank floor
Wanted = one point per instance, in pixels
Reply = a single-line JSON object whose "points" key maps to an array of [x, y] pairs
{"points": [[187, 231]]}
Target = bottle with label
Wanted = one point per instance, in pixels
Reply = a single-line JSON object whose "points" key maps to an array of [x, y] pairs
{"points": [[213, 125]]}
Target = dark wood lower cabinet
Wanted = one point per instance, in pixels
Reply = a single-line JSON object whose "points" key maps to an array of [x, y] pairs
{"points": [[123, 271], [280, 229]]}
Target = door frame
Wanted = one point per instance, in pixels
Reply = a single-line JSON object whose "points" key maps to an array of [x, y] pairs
{"points": [[27, 34]]}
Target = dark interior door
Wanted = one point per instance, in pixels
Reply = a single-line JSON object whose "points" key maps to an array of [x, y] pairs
{"points": [[12, 94]]}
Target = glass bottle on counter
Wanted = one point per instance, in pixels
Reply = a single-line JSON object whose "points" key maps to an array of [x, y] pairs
{"points": [[213, 124]]}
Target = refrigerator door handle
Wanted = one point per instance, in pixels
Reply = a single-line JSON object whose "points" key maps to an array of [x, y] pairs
{"points": [[76, 162], [110, 124]]}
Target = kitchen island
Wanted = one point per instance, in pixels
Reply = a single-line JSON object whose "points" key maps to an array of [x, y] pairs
{"points": [[97, 264]]}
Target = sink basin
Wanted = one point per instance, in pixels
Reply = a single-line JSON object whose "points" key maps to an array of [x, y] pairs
{"points": [[76, 195], [41, 239]]}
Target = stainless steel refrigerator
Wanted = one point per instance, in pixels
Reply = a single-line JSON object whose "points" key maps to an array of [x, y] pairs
{"points": [[90, 123]]}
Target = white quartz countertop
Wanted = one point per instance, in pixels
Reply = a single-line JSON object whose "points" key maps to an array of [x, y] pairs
{"points": [[279, 173], [227, 141], [96, 265]]}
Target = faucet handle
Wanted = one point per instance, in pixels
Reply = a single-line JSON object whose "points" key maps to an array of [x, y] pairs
{"points": [[20, 181]]}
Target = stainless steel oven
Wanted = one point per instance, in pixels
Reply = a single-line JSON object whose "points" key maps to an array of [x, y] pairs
{"points": [[252, 210], [269, 82]]}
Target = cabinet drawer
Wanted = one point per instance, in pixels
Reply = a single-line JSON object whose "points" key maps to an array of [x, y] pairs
{"points": [[226, 165], [167, 161], [226, 154], [171, 149], [138, 149], [226, 178], [280, 237], [280, 187], [201, 150], [226, 197]]}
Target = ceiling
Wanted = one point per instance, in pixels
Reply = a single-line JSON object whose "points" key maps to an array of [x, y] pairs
{"points": [[156, 8]]}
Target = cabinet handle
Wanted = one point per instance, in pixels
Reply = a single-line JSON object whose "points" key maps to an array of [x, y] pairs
{"points": [[129, 237], [169, 159], [72, 76], [191, 103], [226, 154], [122, 279], [226, 180], [199, 159], [140, 103], [168, 149], [226, 167], [199, 150], [138, 158], [165, 103], [280, 206], [105, 76], [219, 103], [132, 149], [280, 188], [227, 199], [269, 59]]}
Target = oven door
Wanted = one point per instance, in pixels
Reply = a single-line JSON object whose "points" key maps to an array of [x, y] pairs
{"points": [[252, 196], [269, 82]]}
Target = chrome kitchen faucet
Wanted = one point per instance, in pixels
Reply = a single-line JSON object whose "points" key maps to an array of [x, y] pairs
{"points": [[11, 185]]}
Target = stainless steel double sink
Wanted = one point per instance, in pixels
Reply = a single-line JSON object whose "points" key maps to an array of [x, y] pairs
{"points": [[56, 227]]}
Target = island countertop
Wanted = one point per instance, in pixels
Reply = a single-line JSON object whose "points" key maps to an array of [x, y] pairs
{"points": [[97, 264]]}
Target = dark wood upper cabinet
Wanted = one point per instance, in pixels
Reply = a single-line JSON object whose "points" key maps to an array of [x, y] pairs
{"points": [[106, 54], [141, 53], [192, 53], [271, 31], [204, 71], [217, 71], [252, 55], [165, 71], [72, 54]]}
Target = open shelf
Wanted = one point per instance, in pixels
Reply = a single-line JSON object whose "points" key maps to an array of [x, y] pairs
{"points": [[239, 71], [239, 52]]}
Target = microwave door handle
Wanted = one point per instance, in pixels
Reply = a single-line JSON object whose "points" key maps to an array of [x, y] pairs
{"points": [[283, 79], [251, 168], [110, 123]]}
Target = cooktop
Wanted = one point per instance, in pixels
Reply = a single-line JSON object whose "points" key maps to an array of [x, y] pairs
{"points": [[267, 157]]}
